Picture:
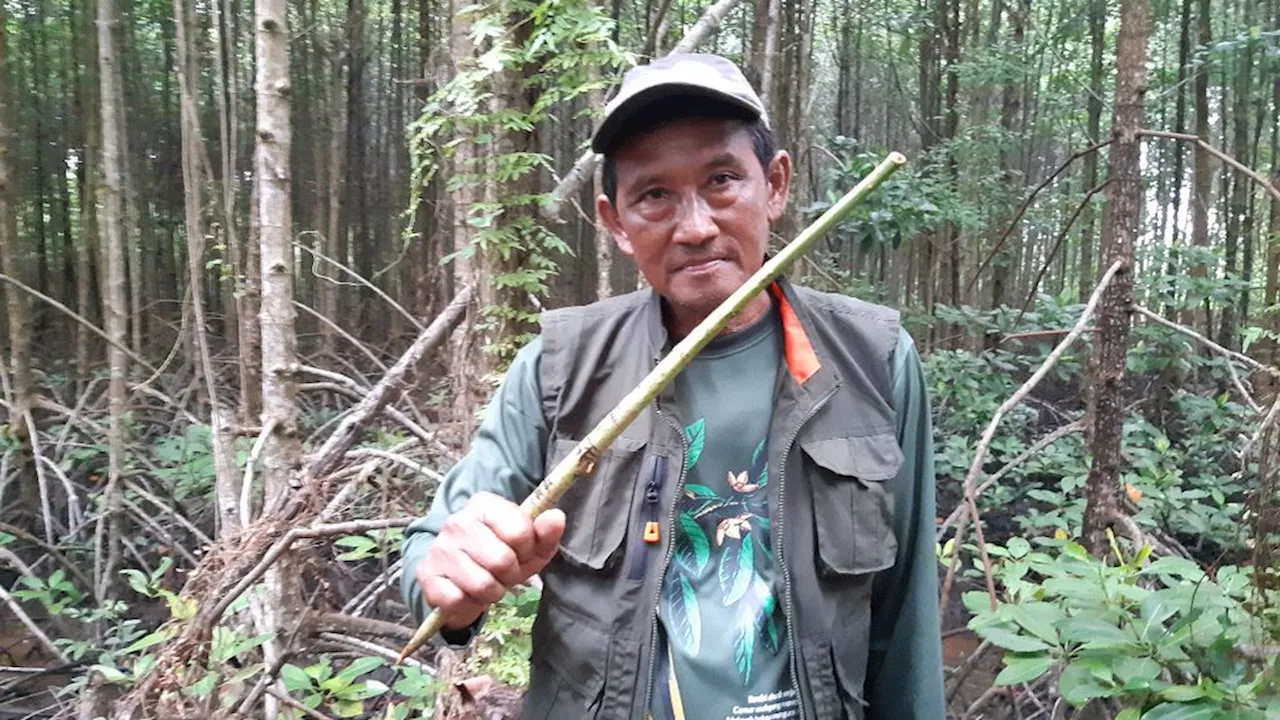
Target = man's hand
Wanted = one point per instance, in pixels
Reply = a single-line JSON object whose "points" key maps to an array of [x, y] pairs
{"points": [[485, 548]]}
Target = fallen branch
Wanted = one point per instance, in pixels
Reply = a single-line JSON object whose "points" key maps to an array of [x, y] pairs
{"points": [[361, 626], [1159, 320], [375, 649], [984, 445], [330, 454], [1198, 141], [361, 453]]}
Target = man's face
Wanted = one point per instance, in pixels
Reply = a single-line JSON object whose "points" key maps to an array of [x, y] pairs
{"points": [[693, 209]]}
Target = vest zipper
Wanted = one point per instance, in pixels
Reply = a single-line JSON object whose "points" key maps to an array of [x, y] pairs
{"points": [[666, 560], [650, 530], [781, 554]]}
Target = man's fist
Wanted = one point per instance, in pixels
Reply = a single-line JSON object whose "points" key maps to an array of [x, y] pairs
{"points": [[484, 549]]}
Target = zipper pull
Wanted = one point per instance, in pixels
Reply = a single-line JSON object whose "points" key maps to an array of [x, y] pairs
{"points": [[652, 532]]}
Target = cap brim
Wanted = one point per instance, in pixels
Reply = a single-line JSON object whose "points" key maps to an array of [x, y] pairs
{"points": [[617, 120]]}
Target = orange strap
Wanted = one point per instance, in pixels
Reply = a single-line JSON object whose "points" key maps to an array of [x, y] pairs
{"points": [[802, 361]]}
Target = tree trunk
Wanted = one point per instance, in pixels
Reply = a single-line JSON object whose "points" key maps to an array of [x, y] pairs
{"points": [[1241, 185], [1179, 126], [1122, 225], [1273, 245], [1097, 44], [281, 453], [17, 302], [1203, 193], [225, 480], [115, 301]]}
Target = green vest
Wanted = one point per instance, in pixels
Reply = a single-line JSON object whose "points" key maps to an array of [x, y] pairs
{"points": [[832, 449]]}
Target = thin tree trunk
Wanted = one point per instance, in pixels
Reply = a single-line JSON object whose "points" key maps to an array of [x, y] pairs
{"points": [[1097, 44], [281, 452], [115, 301], [1273, 244], [1203, 193], [1180, 125], [1122, 225], [17, 303]]}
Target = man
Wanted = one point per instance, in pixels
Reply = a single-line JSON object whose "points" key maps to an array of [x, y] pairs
{"points": [[758, 544]]}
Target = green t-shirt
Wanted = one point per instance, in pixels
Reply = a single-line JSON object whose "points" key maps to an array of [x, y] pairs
{"points": [[724, 652]]}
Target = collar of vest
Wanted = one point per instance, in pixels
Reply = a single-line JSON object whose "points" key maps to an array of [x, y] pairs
{"points": [[803, 360]]}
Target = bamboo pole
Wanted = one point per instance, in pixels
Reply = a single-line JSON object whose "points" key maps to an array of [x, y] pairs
{"points": [[581, 461]]}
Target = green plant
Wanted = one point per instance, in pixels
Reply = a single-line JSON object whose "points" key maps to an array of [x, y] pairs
{"points": [[1162, 639], [342, 693]]}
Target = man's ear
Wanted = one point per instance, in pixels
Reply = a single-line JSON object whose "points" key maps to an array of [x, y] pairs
{"points": [[609, 216], [779, 184]]}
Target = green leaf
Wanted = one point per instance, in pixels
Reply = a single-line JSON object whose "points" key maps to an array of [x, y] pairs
{"points": [[348, 708], [1135, 672], [1010, 640], [1180, 711], [1018, 548], [1078, 685], [1096, 633], [360, 666], [695, 436], [1182, 693], [147, 641], [1020, 670], [1129, 714], [686, 619], [1038, 618], [295, 678], [693, 549]]}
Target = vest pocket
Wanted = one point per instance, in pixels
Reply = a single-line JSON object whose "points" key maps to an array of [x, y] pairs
{"points": [[853, 510], [567, 671], [598, 507]]}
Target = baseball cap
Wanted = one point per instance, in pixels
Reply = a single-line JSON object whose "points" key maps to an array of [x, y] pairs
{"points": [[681, 74]]}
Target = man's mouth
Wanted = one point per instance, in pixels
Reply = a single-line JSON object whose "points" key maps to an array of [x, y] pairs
{"points": [[702, 266]]}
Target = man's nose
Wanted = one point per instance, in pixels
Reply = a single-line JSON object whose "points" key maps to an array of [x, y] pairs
{"points": [[695, 224]]}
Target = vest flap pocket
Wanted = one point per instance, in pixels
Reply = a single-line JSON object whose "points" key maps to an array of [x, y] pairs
{"points": [[598, 507], [868, 457], [852, 506]]}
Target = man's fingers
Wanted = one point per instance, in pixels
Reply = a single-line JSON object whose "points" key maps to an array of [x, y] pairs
{"points": [[478, 583], [491, 553], [442, 594], [507, 521], [548, 528]]}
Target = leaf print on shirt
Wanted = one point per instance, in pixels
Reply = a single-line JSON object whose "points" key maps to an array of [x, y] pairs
{"points": [[744, 645], [693, 549], [682, 603], [737, 570], [760, 463], [695, 436]]}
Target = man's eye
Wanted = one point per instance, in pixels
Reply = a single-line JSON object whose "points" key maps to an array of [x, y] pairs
{"points": [[653, 194], [722, 178]]}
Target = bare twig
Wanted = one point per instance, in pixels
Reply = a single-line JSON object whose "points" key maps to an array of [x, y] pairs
{"points": [[246, 485], [360, 453], [360, 279], [364, 349], [984, 445], [1250, 172], [1057, 244], [30, 624], [1159, 320], [375, 649], [1022, 209]]}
